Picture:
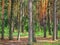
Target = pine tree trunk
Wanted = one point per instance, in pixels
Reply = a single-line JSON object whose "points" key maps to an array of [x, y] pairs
{"points": [[54, 19], [11, 22], [57, 28], [49, 17], [44, 26], [18, 18], [30, 39], [9, 15], [2, 20], [20, 21]]}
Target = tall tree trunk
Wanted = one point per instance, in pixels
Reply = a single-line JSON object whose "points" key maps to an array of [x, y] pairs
{"points": [[30, 39], [20, 19], [49, 17], [57, 28], [22, 22], [44, 26], [12, 18], [11, 21], [44, 16], [9, 15], [2, 20], [54, 19], [18, 36]]}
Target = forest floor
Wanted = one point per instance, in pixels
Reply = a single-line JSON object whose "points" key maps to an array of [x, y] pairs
{"points": [[24, 41]]}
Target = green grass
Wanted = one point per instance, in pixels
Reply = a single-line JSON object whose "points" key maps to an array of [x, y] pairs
{"points": [[46, 43], [37, 33]]}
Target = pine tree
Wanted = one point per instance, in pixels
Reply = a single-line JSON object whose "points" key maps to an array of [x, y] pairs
{"points": [[54, 19], [30, 40], [2, 20]]}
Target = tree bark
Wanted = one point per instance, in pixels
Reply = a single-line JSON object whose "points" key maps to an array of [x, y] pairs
{"points": [[11, 21], [2, 20], [9, 15], [20, 20], [54, 19], [30, 39], [57, 28], [44, 26], [49, 17]]}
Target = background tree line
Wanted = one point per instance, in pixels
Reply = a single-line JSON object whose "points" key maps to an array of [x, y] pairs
{"points": [[26, 16]]}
